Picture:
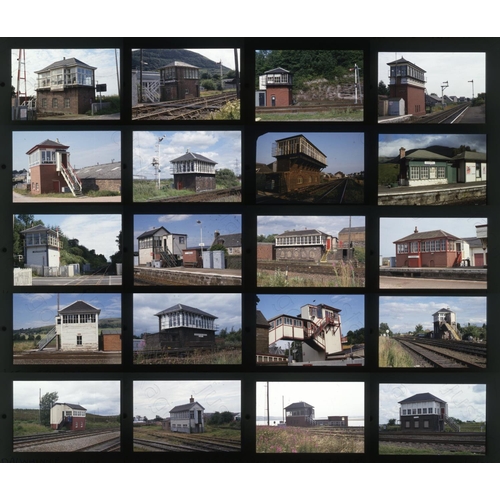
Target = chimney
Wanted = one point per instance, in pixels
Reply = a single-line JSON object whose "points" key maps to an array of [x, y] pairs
{"points": [[416, 230], [191, 399], [402, 152]]}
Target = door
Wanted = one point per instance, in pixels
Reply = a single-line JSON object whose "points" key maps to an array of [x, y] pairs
{"points": [[479, 260]]}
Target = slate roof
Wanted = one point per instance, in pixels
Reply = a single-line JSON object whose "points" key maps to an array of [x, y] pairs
{"points": [[182, 307], [423, 154], [297, 406], [188, 406], [66, 63], [228, 240], [37, 229], [193, 156], [261, 320], [470, 155], [79, 307], [179, 63], [47, 144], [101, 171], [151, 232], [422, 397], [360, 229], [424, 235], [71, 405], [402, 60], [276, 70], [302, 232]]}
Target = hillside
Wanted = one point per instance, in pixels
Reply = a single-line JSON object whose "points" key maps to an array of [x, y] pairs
{"points": [[104, 324], [157, 58]]}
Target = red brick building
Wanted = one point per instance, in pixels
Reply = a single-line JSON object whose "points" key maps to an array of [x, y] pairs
{"points": [[407, 82], [428, 249], [179, 81], [68, 416], [65, 87], [278, 84]]}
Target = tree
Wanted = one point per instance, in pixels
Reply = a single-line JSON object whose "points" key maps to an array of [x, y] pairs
{"points": [[356, 336], [382, 88], [47, 401], [385, 330], [391, 421], [419, 329]]}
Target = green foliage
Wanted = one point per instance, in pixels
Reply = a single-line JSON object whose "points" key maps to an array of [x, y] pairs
{"points": [[208, 84], [270, 238], [231, 336], [419, 329], [382, 88], [46, 403], [356, 336], [219, 418], [388, 173], [226, 178], [385, 330]]}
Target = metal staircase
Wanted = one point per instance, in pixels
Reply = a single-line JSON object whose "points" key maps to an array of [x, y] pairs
{"points": [[72, 179], [450, 421], [455, 334], [314, 339], [48, 338], [168, 257]]}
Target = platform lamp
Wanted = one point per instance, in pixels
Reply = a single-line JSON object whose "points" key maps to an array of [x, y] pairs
{"points": [[201, 235], [472, 81]]}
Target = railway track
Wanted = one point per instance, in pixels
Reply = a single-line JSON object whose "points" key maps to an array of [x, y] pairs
{"points": [[188, 444], [205, 196], [189, 109], [471, 439], [447, 354], [446, 116]]}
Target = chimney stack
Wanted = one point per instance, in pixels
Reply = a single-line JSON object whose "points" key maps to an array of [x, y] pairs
{"points": [[191, 399], [416, 230], [402, 152]]}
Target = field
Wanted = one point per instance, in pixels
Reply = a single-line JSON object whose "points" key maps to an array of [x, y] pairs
{"points": [[329, 113], [309, 440], [221, 356]]}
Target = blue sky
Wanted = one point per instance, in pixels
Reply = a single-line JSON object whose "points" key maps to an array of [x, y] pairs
{"points": [[277, 224], [36, 59], [39, 309], [158, 397], [352, 308], [223, 147], [395, 228], [328, 398], [186, 224], [227, 308], [389, 144], [402, 314], [465, 401], [101, 397], [85, 148], [344, 150], [95, 231], [456, 68]]}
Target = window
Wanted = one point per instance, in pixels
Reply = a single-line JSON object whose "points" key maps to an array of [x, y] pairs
{"points": [[404, 412], [424, 411], [407, 424], [419, 411], [414, 411], [416, 424], [441, 172], [66, 102], [79, 340], [54, 102], [424, 172], [426, 424]]}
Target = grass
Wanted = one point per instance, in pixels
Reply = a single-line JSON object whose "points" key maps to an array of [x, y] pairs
{"points": [[303, 440], [388, 449], [347, 114], [344, 276], [223, 356], [392, 355]]}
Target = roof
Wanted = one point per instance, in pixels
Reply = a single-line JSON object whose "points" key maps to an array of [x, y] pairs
{"points": [[71, 405], [193, 156], [188, 406], [228, 240], [443, 310], [402, 60], [424, 154], [276, 70], [360, 229], [66, 63], [47, 144], [304, 137], [182, 307], [261, 320], [179, 63], [79, 307], [302, 232], [473, 242], [438, 233], [297, 406], [418, 398], [101, 171], [151, 232], [470, 155], [38, 228]]}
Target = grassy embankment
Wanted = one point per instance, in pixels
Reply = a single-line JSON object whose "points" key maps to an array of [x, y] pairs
{"points": [[392, 355]]}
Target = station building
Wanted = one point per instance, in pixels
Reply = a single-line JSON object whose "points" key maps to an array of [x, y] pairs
{"points": [[69, 416], [65, 87], [304, 245]]}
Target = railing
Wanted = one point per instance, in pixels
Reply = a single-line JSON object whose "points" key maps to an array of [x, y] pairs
{"points": [[71, 179], [168, 258], [452, 330], [48, 338]]}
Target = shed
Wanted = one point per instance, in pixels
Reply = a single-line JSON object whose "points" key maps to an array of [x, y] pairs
{"points": [[188, 418], [101, 177]]}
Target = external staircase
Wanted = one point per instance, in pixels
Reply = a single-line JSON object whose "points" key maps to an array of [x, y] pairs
{"points": [[314, 339], [72, 180], [450, 421], [47, 340], [168, 258], [452, 330]]}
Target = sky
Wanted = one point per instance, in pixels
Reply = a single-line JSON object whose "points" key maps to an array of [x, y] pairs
{"points": [[227, 308], [39, 309], [154, 397], [389, 144], [187, 224], [98, 397], [85, 148], [456, 68], [37, 59], [344, 151], [95, 231], [465, 401], [352, 312], [221, 147], [277, 224], [395, 228], [402, 314], [328, 398]]}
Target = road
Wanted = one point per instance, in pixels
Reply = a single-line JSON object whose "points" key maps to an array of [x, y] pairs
{"points": [[431, 283]]}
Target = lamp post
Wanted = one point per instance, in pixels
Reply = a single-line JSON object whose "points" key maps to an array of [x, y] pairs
{"points": [[472, 81], [201, 235]]}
